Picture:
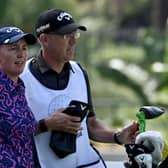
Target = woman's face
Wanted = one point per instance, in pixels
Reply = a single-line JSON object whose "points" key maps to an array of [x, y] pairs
{"points": [[13, 58]]}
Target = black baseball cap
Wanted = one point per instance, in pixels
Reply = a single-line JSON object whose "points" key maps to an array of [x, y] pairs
{"points": [[10, 34], [56, 20]]}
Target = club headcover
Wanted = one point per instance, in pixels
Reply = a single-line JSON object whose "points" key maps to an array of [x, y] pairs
{"points": [[154, 142]]}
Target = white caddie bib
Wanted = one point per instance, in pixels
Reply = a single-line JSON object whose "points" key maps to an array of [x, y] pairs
{"points": [[43, 101]]}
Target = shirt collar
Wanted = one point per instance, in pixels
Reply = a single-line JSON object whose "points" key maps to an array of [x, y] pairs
{"points": [[8, 83], [43, 67]]}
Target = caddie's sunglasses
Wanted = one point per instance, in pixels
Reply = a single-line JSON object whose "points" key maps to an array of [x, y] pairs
{"points": [[73, 35]]}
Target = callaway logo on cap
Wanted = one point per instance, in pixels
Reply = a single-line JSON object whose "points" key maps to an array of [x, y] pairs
{"points": [[11, 34], [58, 21]]}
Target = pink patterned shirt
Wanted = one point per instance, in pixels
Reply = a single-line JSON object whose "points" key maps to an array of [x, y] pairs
{"points": [[17, 125]]}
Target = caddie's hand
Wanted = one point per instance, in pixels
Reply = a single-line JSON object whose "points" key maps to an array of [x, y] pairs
{"points": [[62, 122], [128, 134]]}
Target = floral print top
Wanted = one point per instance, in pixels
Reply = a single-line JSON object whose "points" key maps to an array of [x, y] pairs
{"points": [[17, 125]]}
